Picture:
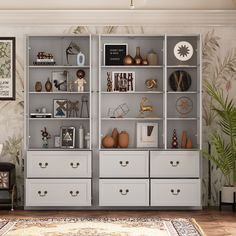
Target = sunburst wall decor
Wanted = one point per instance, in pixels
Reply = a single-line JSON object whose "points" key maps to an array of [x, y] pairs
{"points": [[183, 51]]}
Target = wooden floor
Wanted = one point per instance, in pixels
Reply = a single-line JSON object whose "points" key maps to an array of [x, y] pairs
{"points": [[212, 221]]}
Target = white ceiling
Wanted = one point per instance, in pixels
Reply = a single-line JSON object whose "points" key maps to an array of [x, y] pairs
{"points": [[118, 4]]}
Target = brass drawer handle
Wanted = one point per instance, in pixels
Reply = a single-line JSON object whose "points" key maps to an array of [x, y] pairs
{"points": [[126, 192], [175, 193], [174, 165], [42, 194], [74, 165], [74, 194], [124, 164], [43, 166]]}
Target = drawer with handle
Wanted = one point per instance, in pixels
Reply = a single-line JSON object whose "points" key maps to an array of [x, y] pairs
{"points": [[123, 192], [58, 164], [58, 192], [124, 164], [174, 164], [175, 192]]}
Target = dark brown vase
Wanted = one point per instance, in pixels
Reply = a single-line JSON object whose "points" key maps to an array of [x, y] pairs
{"points": [[38, 86], [138, 59], [128, 60], [48, 86]]}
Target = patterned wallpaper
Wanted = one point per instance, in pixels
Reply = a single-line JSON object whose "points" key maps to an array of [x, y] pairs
{"points": [[219, 67]]}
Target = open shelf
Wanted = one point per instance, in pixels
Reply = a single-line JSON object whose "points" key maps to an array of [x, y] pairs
{"points": [[58, 67]]}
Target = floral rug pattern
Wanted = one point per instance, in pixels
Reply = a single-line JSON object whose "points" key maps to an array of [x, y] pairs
{"points": [[100, 227]]}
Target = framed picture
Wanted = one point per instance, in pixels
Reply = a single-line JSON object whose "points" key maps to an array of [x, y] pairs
{"points": [[114, 53], [147, 135], [7, 68], [67, 137], [60, 108], [123, 81], [59, 80]]}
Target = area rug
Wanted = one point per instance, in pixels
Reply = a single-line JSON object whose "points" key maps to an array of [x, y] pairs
{"points": [[100, 227]]}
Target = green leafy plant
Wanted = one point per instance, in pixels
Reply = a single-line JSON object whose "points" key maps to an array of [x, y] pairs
{"points": [[223, 140], [12, 147]]}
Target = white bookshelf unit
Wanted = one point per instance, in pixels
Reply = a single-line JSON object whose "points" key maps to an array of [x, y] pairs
{"points": [[157, 176], [56, 176], [150, 173]]}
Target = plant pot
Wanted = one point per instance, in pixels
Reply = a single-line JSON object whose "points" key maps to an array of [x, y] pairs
{"points": [[227, 194]]}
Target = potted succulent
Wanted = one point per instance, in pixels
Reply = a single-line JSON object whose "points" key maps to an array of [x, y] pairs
{"points": [[223, 140]]}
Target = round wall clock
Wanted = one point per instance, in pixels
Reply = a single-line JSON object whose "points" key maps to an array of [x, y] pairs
{"points": [[183, 51], [180, 80], [184, 105]]}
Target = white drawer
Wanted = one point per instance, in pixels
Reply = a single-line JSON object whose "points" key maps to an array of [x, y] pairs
{"points": [[58, 164], [124, 192], [175, 192], [174, 164], [125, 164], [58, 192]]}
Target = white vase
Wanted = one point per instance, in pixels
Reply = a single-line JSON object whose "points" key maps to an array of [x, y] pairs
{"points": [[80, 59], [227, 194]]}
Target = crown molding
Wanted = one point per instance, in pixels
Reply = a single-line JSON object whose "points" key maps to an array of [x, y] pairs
{"points": [[119, 17]]}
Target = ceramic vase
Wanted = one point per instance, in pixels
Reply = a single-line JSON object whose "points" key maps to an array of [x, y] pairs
{"points": [[152, 58], [108, 142], [115, 136], [138, 59], [38, 86], [48, 86], [123, 139]]}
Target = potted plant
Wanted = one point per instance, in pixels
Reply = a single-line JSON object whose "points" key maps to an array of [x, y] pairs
{"points": [[223, 141]]}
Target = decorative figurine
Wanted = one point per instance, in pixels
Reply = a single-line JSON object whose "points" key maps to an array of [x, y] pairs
{"points": [[72, 49], [48, 86], [109, 82], [84, 101], [118, 112], [73, 108], [145, 108], [174, 143], [45, 137], [81, 80]]}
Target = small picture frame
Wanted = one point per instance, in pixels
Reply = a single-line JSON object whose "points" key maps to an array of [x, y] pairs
{"points": [[57, 141], [60, 108], [147, 135], [123, 81], [59, 81], [114, 53], [67, 137]]}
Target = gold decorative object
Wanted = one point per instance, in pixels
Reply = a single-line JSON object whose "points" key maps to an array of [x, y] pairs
{"points": [[138, 59], [145, 108], [151, 83], [123, 139], [145, 61], [128, 60]]}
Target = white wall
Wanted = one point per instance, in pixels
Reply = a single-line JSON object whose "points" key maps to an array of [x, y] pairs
{"points": [[120, 4]]}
